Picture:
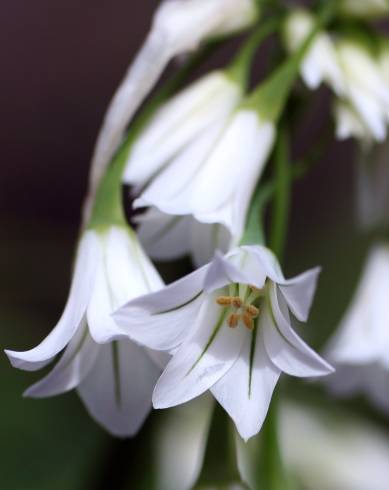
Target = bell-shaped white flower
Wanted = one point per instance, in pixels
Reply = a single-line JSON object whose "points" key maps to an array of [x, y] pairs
{"points": [[351, 70], [178, 26], [359, 349], [229, 330], [364, 8], [207, 156], [113, 376], [196, 112]]}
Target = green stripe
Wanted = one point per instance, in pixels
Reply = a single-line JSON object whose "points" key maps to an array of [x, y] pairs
{"points": [[116, 373], [216, 329], [179, 306], [252, 354]]}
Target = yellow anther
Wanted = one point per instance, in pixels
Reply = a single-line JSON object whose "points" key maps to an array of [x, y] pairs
{"points": [[233, 320], [248, 321], [224, 300], [252, 310], [237, 302]]}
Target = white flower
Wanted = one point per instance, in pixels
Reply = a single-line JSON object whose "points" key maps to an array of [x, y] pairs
{"points": [[196, 142], [360, 347], [328, 450], [228, 328], [320, 64], [352, 71], [349, 124], [178, 26], [199, 111], [113, 376], [364, 8]]}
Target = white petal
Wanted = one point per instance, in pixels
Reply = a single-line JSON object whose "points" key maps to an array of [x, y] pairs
{"points": [[180, 121], [202, 359], [206, 239], [222, 272], [87, 260], [284, 347], [160, 320], [245, 390], [75, 364], [370, 111], [172, 190], [159, 331], [184, 428], [164, 236], [129, 271], [220, 195], [137, 83], [117, 392], [267, 262], [170, 297], [123, 274], [299, 291]]}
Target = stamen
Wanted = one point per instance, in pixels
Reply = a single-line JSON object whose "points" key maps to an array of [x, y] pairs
{"points": [[233, 320], [237, 302], [248, 321], [255, 289], [224, 300], [252, 310]]}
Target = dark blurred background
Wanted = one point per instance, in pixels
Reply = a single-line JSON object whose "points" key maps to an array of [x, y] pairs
{"points": [[60, 64]]}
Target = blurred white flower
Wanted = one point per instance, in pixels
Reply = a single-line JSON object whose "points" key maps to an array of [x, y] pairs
{"points": [[349, 124], [113, 376], [359, 349], [228, 328], [364, 8], [352, 71], [320, 63], [178, 26]]}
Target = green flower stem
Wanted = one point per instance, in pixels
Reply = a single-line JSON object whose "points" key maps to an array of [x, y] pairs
{"points": [[108, 207], [270, 97], [239, 69], [254, 230]]}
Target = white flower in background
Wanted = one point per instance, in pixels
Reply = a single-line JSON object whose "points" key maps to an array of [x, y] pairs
{"points": [[328, 450], [113, 376], [359, 349], [352, 71], [364, 8], [320, 63], [350, 125], [228, 328], [207, 157], [178, 26]]}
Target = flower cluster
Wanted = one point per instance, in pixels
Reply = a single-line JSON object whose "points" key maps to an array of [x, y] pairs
{"points": [[201, 162]]}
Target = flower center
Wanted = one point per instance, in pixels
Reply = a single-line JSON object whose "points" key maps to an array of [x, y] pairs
{"points": [[241, 303]]}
